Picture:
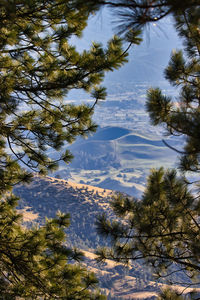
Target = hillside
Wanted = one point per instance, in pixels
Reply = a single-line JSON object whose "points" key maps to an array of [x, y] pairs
{"points": [[116, 158], [46, 195], [110, 133]]}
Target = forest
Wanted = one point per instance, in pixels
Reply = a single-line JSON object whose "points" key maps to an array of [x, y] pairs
{"points": [[39, 67]]}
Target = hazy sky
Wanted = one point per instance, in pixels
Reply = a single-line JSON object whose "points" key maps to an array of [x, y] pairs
{"points": [[147, 61]]}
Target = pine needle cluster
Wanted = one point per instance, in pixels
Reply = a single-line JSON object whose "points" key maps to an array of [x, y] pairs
{"points": [[39, 65], [163, 228]]}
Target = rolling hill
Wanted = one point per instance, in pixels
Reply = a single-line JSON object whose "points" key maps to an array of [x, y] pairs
{"points": [[110, 145], [116, 158], [110, 133]]}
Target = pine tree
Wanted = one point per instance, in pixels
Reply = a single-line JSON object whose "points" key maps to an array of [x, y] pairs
{"points": [[36, 264], [133, 16], [38, 66], [163, 228]]}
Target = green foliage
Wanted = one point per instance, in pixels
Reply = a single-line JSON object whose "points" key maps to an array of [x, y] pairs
{"points": [[36, 263], [133, 16], [163, 228], [38, 67], [181, 117]]}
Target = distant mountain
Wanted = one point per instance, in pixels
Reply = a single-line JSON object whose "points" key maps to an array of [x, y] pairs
{"points": [[110, 133], [116, 158], [109, 147]]}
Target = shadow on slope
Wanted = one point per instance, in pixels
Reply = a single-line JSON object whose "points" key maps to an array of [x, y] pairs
{"points": [[110, 146], [137, 139], [110, 133], [46, 195]]}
